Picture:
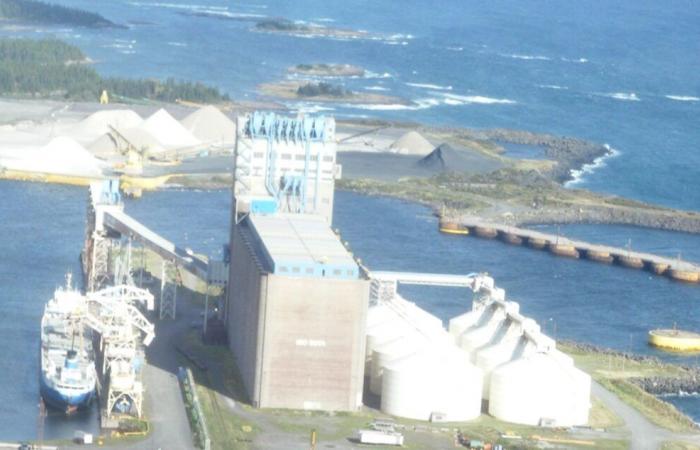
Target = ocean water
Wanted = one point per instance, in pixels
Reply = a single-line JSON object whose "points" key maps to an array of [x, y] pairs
{"points": [[625, 76]]}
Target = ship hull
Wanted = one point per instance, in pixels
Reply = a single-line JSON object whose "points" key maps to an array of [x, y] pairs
{"points": [[63, 402]]}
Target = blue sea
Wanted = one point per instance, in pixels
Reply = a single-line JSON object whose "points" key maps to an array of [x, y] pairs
{"points": [[622, 73]]}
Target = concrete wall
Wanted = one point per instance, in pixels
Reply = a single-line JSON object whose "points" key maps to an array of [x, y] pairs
{"points": [[298, 342], [243, 309], [314, 339]]}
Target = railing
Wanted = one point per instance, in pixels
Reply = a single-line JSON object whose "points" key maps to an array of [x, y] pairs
{"points": [[194, 409]]}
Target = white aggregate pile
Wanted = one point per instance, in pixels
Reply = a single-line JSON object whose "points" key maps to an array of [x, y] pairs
{"points": [[109, 145], [61, 156], [167, 131], [412, 143], [210, 125], [101, 122]]}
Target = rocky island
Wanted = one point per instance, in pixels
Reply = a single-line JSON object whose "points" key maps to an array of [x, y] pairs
{"points": [[327, 70], [324, 92], [292, 28]]}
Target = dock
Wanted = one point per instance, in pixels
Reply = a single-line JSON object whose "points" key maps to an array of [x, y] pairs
{"points": [[672, 268]]}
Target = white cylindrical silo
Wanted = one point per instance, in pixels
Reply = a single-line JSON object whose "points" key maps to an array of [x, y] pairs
{"points": [[459, 324], [390, 351], [481, 334], [383, 333], [537, 387], [435, 380]]}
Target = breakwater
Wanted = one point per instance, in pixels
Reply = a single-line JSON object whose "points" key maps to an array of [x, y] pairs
{"points": [[675, 269]]}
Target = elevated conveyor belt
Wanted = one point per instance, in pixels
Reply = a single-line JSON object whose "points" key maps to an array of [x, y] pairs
{"points": [[426, 279], [125, 225]]}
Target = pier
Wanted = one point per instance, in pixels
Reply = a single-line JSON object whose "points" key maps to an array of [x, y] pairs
{"points": [[106, 259], [674, 269]]}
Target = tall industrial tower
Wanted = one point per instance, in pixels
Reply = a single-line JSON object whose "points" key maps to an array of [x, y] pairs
{"points": [[297, 300]]}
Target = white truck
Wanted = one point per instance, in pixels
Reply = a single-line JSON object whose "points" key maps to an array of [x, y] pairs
{"points": [[379, 437]]}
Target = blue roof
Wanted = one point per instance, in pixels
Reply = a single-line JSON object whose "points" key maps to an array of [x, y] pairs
{"points": [[301, 245]]}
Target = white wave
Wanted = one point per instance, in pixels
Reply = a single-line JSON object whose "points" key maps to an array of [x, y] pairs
{"points": [[251, 5], [177, 44], [399, 37], [579, 60], [230, 15], [417, 105], [455, 49], [681, 393], [370, 74], [578, 175], [376, 88], [683, 98], [526, 57], [309, 107], [455, 99], [436, 87], [193, 7], [552, 86], [324, 19], [626, 96]]}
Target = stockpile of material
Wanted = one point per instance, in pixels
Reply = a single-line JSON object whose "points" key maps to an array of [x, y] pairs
{"points": [[69, 147], [113, 144], [168, 131], [102, 122], [61, 156], [412, 143], [209, 124]]}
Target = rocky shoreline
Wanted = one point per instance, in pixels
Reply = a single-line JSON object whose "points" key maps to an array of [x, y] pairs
{"points": [[644, 216], [569, 153], [689, 383]]}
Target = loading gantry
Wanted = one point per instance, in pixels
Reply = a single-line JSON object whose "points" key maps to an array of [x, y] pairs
{"points": [[123, 332]]}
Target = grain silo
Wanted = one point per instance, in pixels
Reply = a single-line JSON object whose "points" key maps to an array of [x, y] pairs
{"points": [[540, 388], [435, 382]]}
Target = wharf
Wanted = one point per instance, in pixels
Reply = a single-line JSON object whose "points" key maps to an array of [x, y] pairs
{"points": [[675, 269]]}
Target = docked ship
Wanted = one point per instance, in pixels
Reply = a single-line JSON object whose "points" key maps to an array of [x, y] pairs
{"points": [[68, 376]]}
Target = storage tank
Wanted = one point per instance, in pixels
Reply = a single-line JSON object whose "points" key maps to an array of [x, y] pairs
{"points": [[539, 386], [459, 324], [482, 333], [512, 344], [416, 315], [383, 333], [379, 323], [391, 351], [436, 380]]}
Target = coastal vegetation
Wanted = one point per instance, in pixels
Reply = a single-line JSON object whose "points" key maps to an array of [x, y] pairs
{"points": [[32, 11], [323, 92], [322, 89], [280, 24], [52, 68], [286, 26], [327, 70]]}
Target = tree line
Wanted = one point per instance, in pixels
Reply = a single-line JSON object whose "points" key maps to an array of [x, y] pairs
{"points": [[52, 68], [42, 12]]}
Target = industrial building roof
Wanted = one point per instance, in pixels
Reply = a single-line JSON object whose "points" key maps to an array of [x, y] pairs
{"points": [[302, 245]]}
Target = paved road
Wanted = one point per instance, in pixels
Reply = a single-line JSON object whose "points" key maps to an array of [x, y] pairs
{"points": [[644, 435]]}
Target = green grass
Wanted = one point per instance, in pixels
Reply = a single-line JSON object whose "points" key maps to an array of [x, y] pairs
{"points": [[657, 411], [615, 372], [679, 446], [601, 416]]}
